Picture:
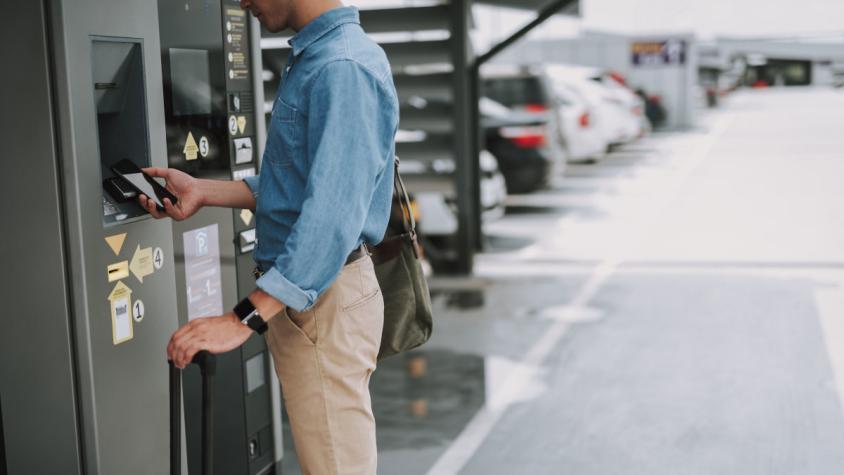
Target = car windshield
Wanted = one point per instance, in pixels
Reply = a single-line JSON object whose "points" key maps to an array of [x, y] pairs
{"points": [[491, 108], [516, 91]]}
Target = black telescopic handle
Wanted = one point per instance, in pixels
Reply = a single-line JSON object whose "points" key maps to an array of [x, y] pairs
{"points": [[208, 367], [175, 419]]}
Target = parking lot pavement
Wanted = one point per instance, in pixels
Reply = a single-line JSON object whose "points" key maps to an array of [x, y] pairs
{"points": [[677, 308]]}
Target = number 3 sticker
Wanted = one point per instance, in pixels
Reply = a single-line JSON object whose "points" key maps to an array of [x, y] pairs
{"points": [[157, 258]]}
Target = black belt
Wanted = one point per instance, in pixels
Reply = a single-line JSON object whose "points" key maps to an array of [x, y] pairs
{"points": [[355, 255]]}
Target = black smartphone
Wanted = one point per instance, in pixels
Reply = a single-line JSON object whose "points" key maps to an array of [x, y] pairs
{"points": [[143, 183]]}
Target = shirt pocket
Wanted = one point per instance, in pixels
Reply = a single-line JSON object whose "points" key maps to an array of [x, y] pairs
{"points": [[283, 134]]}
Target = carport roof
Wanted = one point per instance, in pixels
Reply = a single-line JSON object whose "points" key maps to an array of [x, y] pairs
{"points": [[573, 10]]}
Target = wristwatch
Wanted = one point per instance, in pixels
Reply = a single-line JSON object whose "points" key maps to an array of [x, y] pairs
{"points": [[249, 316]]}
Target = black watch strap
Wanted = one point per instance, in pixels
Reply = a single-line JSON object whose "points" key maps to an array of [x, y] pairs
{"points": [[249, 316]]}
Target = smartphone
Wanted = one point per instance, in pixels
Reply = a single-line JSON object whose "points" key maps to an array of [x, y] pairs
{"points": [[143, 183]]}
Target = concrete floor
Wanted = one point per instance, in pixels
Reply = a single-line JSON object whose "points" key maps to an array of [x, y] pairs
{"points": [[677, 308]]}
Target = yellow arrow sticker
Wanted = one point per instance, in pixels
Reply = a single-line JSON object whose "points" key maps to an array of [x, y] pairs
{"points": [[241, 123], [190, 148], [246, 216], [141, 264], [116, 242], [120, 300]]}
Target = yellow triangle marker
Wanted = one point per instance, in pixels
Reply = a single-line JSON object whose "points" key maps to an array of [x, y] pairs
{"points": [[246, 216], [116, 242], [241, 123], [190, 148]]}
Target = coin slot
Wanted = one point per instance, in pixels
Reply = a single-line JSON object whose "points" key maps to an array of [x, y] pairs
{"points": [[117, 271]]}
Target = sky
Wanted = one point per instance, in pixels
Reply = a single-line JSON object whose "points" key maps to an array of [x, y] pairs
{"points": [[705, 18], [717, 17]]}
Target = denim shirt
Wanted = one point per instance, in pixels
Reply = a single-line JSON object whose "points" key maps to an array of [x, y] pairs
{"points": [[326, 179]]}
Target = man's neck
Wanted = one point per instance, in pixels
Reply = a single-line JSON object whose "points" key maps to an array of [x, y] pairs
{"points": [[308, 10]]}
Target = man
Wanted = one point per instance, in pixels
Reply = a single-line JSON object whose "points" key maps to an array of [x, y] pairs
{"points": [[325, 188]]}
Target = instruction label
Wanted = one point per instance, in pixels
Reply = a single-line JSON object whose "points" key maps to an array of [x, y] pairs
{"points": [[202, 272], [121, 322], [236, 43]]}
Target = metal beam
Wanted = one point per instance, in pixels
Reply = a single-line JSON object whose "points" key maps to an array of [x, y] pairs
{"points": [[467, 177], [476, 136], [547, 12], [528, 5]]}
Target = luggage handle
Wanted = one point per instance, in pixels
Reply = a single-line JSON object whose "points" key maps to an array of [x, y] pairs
{"points": [[208, 367]]}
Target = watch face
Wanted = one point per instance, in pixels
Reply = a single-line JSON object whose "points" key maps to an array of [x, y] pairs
{"points": [[244, 309]]}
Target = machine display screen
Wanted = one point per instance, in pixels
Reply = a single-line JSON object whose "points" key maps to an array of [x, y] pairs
{"points": [[202, 272], [190, 77]]}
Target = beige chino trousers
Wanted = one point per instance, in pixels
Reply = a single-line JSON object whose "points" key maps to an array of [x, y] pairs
{"points": [[324, 358]]}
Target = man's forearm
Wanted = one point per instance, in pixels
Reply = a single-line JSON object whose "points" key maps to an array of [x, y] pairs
{"points": [[227, 194]]}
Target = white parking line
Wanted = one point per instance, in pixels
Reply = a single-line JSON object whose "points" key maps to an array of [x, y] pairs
{"points": [[830, 304], [466, 444]]}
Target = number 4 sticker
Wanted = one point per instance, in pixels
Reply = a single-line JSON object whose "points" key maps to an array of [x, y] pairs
{"points": [[157, 258]]}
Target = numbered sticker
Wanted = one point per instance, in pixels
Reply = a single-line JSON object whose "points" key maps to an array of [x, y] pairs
{"points": [[158, 258], [138, 311], [233, 125], [203, 146]]}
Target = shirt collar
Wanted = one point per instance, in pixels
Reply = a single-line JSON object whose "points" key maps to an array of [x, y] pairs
{"points": [[321, 25]]}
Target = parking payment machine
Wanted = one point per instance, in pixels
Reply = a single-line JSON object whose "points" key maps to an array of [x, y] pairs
{"points": [[210, 116], [92, 285], [83, 378]]}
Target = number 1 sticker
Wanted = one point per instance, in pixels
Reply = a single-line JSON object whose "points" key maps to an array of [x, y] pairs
{"points": [[138, 311], [158, 258]]}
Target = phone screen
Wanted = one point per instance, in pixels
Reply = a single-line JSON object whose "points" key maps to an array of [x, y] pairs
{"points": [[143, 183]]}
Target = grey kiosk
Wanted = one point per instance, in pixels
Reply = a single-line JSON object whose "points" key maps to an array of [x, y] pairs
{"points": [[93, 285]]}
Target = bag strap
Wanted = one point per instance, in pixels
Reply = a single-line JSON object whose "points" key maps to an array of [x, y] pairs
{"points": [[404, 202], [408, 221]]}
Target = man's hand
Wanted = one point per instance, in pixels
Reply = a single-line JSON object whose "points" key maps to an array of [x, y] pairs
{"points": [[185, 187], [214, 334]]}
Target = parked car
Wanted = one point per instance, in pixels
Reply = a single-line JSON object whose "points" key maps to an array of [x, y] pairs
{"points": [[632, 101], [618, 111], [438, 211], [523, 143], [579, 123], [524, 134]]}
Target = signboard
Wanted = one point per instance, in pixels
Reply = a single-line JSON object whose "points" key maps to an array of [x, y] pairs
{"points": [[659, 53], [202, 272]]}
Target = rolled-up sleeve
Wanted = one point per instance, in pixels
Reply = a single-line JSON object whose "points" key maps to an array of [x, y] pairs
{"points": [[252, 183], [351, 120]]}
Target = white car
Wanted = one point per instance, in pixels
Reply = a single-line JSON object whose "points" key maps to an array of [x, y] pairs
{"points": [[637, 124], [438, 214], [578, 120], [617, 110]]}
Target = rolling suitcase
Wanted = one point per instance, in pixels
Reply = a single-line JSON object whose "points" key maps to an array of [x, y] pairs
{"points": [[207, 366]]}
